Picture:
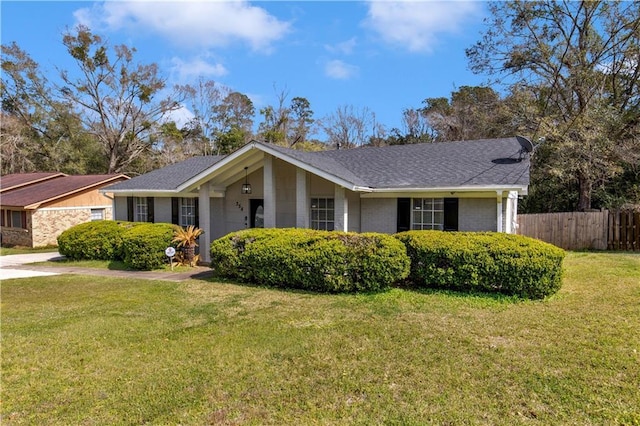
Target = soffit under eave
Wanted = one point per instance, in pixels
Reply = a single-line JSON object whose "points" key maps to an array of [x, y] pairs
{"points": [[224, 173]]}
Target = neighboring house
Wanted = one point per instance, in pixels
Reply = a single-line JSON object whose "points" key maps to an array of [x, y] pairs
{"points": [[466, 186], [37, 207]]}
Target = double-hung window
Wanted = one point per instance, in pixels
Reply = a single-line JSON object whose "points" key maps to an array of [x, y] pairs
{"points": [[428, 213], [140, 209], [187, 211], [322, 214]]}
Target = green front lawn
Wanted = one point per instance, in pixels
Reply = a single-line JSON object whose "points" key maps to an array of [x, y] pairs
{"points": [[6, 251], [91, 350]]}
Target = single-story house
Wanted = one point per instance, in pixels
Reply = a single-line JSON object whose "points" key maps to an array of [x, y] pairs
{"points": [[37, 207], [466, 186]]}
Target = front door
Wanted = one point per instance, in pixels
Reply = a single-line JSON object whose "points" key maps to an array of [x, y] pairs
{"points": [[404, 214], [450, 214], [257, 213]]}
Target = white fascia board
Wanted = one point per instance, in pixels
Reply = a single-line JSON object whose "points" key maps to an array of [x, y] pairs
{"points": [[161, 194], [450, 190], [304, 166]]}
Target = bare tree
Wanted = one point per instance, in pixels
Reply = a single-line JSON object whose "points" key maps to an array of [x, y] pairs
{"points": [[348, 126], [115, 97], [201, 100]]}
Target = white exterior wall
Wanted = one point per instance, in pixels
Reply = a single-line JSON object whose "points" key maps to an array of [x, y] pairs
{"points": [[286, 194], [354, 211], [477, 214], [218, 223], [379, 215], [320, 187], [120, 204], [161, 209]]}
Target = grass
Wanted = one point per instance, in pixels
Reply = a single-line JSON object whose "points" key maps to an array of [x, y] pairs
{"points": [[6, 251], [89, 350], [116, 265]]}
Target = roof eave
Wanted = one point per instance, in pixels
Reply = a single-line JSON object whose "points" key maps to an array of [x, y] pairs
{"points": [[253, 145], [470, 188]]}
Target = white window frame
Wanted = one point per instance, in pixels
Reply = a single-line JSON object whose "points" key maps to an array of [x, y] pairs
{"points": [[427, 213], [322, 215], [97, 214], [140, 209], [188, 212]]}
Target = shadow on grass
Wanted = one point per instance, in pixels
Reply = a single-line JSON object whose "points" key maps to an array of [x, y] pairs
{"points": [[459, 294], [468, 294]]}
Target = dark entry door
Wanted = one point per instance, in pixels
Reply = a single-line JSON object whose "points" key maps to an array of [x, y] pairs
{"points": [[404, 214], [257, 213], [450, 214]]}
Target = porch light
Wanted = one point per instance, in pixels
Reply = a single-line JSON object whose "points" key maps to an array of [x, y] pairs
{"points": [[246, 186]]}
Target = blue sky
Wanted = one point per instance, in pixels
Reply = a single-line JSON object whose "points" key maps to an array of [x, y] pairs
{"points": [[381, 55]]}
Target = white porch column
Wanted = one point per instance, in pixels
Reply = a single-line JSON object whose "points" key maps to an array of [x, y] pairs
{"points": [[269, 193], [302, 199], [341, 212], [499, 211], [204, 211], [511, 222]]}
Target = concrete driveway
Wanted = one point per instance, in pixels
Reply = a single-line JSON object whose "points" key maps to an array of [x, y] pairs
{"points": [[9, 263]]}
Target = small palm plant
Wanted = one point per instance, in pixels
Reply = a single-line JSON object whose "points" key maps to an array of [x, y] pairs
{"points": [[186, 239]]}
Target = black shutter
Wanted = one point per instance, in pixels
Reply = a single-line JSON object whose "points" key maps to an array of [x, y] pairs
{"points": [[197, 213], [2, 217], [130, 209], [150, 209], [450, 214], [175, 210]]}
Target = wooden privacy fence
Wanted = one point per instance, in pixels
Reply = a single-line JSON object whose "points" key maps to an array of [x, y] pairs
{"points": [[624, 231], [603, 230]]}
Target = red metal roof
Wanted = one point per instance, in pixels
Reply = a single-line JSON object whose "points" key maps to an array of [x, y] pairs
{"points": [[33, 195]]}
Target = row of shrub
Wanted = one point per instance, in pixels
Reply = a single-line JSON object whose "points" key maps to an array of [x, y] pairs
{"points": [[311, 260], [139, 245], [348, 262], [487, 262]]}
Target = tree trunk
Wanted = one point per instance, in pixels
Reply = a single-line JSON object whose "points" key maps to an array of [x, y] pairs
{"points": [[586, 187]]}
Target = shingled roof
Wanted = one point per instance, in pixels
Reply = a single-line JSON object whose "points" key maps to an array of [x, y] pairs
{"points": [[16, 180], [169, 178], [32, 194], [477, 163]]}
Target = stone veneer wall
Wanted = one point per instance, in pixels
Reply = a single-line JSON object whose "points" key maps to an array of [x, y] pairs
{"points": [[17, 236], [48, 224]]}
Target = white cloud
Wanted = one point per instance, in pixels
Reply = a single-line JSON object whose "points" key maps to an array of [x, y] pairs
{"points": [[416, 25], [340, 70], [180, 116], [186, 71], [192, 24], [344, 48]]}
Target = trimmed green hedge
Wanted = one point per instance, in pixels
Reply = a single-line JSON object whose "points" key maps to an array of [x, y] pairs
{"points": [[140, 245], [311, 260], [99, 240], [144, 245], [494, 262]]}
